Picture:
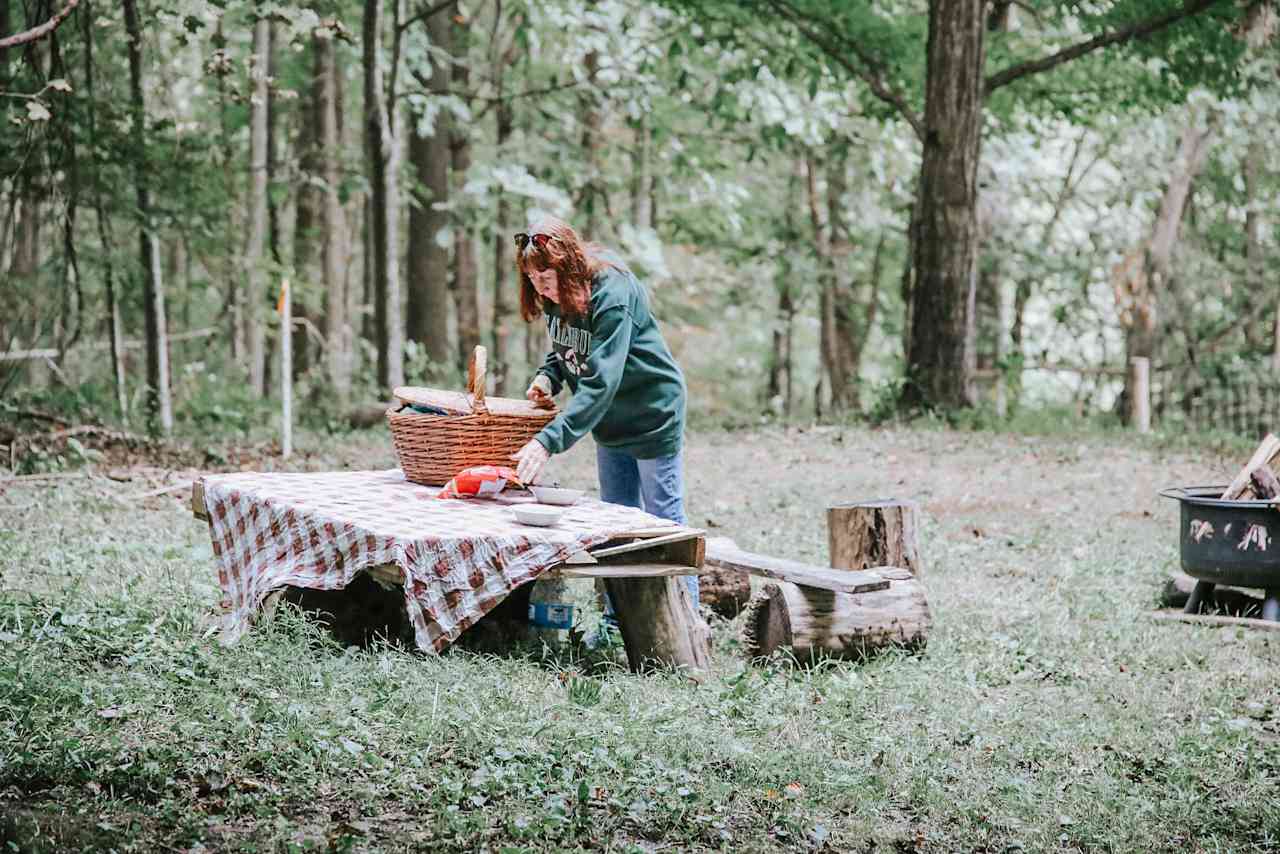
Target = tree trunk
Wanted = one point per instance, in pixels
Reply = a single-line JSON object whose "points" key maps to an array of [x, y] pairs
{"points": [[271, 354], [429, 217], [382, 152], [592, 199], [941, 356], [466, 289], [503, 262], [230, 267], [159, 405], [640, 174], [1144, 276], [338, 336], [254, 277], [852, 308], [115, 327], [307, 208], [822, 234]]}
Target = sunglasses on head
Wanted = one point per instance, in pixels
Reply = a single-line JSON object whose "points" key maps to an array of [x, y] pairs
{"points": [[538, 240]]}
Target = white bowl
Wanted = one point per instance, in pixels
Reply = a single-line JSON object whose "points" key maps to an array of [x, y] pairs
{"points": [[537, 514], [555, 495]]}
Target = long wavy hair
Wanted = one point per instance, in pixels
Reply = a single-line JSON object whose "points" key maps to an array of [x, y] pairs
{"points": [[576, 265]]}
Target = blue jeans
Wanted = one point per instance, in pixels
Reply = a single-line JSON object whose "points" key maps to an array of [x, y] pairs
{"points": [[655, 486]]}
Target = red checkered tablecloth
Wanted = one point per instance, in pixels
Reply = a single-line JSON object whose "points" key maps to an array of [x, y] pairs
{"points": [[459, 558]]}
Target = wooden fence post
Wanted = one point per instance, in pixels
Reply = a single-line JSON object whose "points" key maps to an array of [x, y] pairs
{"points": [[286, 370], [1140, 385]]}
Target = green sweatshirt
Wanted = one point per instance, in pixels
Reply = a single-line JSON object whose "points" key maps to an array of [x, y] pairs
{"points": [[627, 389]]}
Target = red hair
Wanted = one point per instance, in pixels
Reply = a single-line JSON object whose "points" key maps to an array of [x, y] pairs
{"points": [[576, 265]]}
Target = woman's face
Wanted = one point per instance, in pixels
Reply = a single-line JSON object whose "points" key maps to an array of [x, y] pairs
{"points": [[546, 283]]}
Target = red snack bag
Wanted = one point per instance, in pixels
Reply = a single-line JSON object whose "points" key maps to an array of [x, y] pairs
{"points": [[479, 482]]}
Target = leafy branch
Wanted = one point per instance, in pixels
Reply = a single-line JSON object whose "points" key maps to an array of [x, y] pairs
{"points": [[1137, 30], [869, 68]]}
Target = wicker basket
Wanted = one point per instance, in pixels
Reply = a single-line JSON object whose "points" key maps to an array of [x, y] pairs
{"points": [[478, 431]]}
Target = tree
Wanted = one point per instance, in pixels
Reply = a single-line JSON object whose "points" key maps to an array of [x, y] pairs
{"points": [[338, 333], [955, 93], [383, 151], [428, 286], [159, 402], [254, 292]]}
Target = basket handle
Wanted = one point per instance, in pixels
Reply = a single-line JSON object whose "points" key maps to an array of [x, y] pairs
{"points": [[476, 379]]}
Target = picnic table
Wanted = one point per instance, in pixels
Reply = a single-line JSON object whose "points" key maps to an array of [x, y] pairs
{"points": [[455, 559]]}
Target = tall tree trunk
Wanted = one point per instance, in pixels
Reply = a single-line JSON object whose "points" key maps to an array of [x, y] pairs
{"points": [[254, 276], [115, 327], [338, 335], [429, 216], [382, 149], [234, 299], [640, 174], [271, 356], [941, 357], [307, 209], [1147, 273], [502, 261], [845, 320], [592, 200], [466, 288], [159, 404]]}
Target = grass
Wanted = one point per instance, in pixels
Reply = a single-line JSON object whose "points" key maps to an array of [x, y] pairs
{"points": [[1047, 712]]}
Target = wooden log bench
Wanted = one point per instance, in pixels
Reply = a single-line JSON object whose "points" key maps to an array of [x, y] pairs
{"points": [[812, 617]]}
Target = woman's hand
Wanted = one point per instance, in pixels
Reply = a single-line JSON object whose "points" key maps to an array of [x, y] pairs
{"points": [[530, 460], [539, 392]]}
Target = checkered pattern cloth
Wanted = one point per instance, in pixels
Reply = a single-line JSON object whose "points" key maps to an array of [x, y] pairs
{"points": [[458, 557]]}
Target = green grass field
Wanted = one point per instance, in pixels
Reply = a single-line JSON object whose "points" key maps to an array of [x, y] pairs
{"points": [[1047, 713]]}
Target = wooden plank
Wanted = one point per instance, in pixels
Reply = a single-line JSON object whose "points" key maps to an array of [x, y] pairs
{"points": [[626, 570], [197, 501], [654, 532], [649, 543], [803, 574], [1215, 621], [389, 574]]}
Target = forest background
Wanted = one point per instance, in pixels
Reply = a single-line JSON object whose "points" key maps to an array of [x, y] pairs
{"points": [[840, 208]]}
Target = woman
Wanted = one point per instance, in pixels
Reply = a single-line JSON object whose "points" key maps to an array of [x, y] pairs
{"points": [[628, 391]]}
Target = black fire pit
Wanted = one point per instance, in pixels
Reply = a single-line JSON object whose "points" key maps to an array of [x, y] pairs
{"points": [[1229, 542]]}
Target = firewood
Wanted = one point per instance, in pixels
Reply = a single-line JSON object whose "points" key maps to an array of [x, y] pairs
{"points": [[1264, 482], [1267, 451]]}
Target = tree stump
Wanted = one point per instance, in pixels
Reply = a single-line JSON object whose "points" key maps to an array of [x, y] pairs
{"points": [[814, 623], [874, 533], [659, 624]]}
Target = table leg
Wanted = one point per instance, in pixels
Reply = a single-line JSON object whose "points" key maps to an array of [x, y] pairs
{"points": [[659, 624]]}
